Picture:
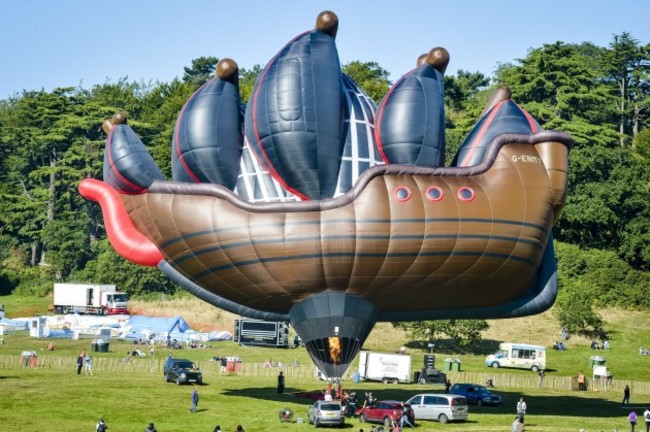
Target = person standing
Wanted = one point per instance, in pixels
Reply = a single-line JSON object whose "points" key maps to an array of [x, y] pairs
{"points": [[224, 366], [447, 386], [195, 400], [517, 425], [151, 428], [581, 381], [80, 361], [521, 409], [541, 377], [217, 428], [626, 395], [280, 383], [632, 419], [89, 365]]}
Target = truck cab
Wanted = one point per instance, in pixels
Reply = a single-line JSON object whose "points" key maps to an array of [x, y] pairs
{"points": [[115, 303]]}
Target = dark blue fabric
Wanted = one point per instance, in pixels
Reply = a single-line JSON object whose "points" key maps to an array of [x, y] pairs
{"points": [[208, 135], [128, 167], [294, 119], [506, 117], [411, 119]]}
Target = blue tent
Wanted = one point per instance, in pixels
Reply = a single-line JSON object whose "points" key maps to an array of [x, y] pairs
{"points": [[158, 326]]}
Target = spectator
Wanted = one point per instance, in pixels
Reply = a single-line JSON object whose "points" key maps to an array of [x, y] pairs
{"points": [[80, 361], [224, 366], [626, 396], [404, 420], [239, 429], [89, 365], [581, 381], [268, 363], [217, 428], [521, 409], [517, 425], [195, 400], [605, 344], [632, 419], [280, 383], [151, 428], [101, 426]]}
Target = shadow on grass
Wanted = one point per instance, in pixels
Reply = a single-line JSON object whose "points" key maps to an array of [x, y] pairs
{"points": [[570, 405]]}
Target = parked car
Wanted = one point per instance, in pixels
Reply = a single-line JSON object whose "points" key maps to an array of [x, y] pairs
{"points": [[325, 413], [476, 394], [385, 412], [439, 407], [182, 371]]}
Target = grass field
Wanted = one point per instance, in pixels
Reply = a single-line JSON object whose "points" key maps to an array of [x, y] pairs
{"points": [[53, 398]]}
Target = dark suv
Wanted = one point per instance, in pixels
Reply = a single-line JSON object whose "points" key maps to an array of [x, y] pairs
{"points": [[182, 371], [476, 394], [385, 412]]}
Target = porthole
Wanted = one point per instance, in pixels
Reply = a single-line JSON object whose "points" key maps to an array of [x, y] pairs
{"points": [[466, 194], [402, 193], [434, 193]]}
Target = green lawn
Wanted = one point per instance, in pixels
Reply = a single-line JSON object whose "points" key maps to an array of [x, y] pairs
{"points": [[53, 399]]}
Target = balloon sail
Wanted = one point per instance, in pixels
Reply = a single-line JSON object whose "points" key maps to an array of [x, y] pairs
{"points": [[315, 228]]}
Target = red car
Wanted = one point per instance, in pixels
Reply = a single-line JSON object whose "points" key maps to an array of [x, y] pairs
{"points": [[385, 412]]}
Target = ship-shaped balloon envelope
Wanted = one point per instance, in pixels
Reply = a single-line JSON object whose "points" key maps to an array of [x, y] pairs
{"points": [[337, 218]]}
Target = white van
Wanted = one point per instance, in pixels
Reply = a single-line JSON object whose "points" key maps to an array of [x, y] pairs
{"points": [[518, 355], [439, 407]]}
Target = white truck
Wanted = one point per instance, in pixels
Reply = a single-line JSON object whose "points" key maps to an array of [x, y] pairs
{"points": [[387, 368], [89, 299]]}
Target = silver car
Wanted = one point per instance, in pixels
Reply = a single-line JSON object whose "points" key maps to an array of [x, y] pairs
{"points": [[326, 413], [439, 407]]}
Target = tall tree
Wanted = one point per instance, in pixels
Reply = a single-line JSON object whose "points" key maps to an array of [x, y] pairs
{"points": [[372, 78], [202, 69], [627, 66]]}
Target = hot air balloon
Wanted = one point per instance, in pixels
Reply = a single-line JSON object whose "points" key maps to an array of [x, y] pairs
{"points": [[317, 230]]}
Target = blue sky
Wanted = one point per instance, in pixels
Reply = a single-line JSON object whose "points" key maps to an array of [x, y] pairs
{"points": [[48, 44]]}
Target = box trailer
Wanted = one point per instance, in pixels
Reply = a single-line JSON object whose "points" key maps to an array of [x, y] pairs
{"points": [[89, 299], [387, 368]]}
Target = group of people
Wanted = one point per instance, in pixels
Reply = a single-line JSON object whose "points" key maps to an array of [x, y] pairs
{"points": [[632, 418], [84, 361], [604, 345], [103, 427]]}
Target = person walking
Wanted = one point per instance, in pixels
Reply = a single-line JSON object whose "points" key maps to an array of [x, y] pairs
{"points": [[280, 383], [632, 419], [521, 409], [646, 417], [404, 419], [626, 395], [195, 400], [517, 425]]}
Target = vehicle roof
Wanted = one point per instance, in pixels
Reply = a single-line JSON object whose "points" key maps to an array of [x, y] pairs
{"points": [[182, 360], [437, 394]]}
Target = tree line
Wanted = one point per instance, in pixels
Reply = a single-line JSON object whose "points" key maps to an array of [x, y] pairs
{"points": [[49, 141]]}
